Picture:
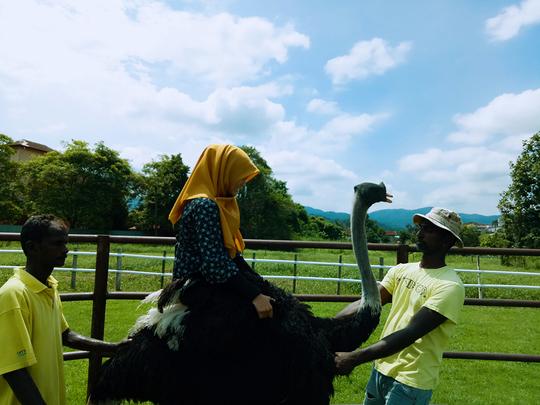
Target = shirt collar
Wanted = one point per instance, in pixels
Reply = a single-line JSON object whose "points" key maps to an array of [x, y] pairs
{"points": [[33, 283]]}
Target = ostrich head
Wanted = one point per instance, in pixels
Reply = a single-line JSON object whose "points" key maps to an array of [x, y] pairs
{"points": [[370, 193]]}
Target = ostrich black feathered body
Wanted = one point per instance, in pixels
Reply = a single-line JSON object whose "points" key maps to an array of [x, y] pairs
{"points": [[228, 356], [225, 355]]}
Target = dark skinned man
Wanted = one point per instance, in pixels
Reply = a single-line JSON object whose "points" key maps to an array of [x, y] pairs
{"points": [[426, 298], [32, 326]]}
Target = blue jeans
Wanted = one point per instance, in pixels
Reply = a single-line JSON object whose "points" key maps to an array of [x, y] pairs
{"points": [[383, 390]]}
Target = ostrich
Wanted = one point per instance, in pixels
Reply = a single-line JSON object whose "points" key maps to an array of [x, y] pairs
{"points": [[219, 352]]}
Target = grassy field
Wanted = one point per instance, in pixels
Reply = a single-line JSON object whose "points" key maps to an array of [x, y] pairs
{"points": [[84, 281], [507, 330]]}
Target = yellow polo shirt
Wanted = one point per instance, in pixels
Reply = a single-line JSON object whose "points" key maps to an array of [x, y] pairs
{"points": [[31, 327], [413, 287]]}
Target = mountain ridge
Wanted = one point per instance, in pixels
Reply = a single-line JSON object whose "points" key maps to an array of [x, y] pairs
{"points": [[398, 218]]}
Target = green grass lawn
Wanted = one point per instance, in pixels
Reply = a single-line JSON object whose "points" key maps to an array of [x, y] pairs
{"points": [[507, 330], [84, 281]]}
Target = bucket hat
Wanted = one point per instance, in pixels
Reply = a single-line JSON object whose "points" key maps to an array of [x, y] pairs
{"points": [[445, 219]]}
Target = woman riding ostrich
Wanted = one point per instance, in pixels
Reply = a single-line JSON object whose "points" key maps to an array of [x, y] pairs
{"points": [[207, 344]]}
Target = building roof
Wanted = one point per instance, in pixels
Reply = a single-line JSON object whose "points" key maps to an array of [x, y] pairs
{"points": [[31, 145]]}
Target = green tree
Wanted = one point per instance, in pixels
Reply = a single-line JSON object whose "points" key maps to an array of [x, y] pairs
{"points": [[268, 211], [11, 198], [470, 236], [88, 187], [374, 233], [407, 236], [321, 228], [495, 240], [520, 203], [160, 185]]}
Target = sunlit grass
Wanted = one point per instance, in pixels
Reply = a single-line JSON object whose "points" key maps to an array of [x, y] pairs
{"points": [[129, 282], [507, 330]]}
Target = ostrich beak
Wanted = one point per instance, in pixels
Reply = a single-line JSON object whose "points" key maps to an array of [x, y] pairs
{"points": [[388, 198]]}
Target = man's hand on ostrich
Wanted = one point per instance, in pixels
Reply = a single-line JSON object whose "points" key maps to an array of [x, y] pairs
{"points": [[345, 363]]}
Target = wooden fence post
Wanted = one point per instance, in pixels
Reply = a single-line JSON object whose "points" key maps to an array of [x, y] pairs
{"points": [[254, 261], [99, 305], [402, 254], [381, 268]]}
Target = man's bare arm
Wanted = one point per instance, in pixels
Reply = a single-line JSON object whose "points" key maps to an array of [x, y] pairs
{"points": [[24, 387], [423, 322], [76, 341]]}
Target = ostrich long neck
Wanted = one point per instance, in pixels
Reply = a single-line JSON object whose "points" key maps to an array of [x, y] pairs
{"points": [[370, 291]]}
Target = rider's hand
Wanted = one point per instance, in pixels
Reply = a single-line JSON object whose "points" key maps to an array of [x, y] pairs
{"points": [[263, 305]]}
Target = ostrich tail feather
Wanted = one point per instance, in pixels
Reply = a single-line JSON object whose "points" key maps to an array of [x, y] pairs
{"points": [[151, 298], [167, 324], [170, 294]]}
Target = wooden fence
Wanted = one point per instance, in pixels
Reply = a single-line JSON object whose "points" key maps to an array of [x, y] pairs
{"points": [[100, 295]]}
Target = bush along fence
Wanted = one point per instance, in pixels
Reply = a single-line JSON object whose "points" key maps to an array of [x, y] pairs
{"points": [[100, 294]]}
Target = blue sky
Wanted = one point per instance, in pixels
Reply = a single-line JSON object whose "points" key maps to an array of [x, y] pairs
{"points": [[432, 97]]}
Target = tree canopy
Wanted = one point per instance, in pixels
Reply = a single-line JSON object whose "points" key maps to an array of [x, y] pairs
{"points": [[11, 205], [159, 186], [268, 210], [520, 203], [88, 187], [94, 189], [470, 235]]}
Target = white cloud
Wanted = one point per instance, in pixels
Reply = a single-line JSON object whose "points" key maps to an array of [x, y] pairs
{"points": [[153, 80], [248, 110], [314, 181], [320, 106], [66, 40], [333, 137], [512, 19], [137, 71], [463, 195], [347, 125], [477, 171], [506, 115], [307, 159], [458, 178], [366, 58], [437, 165], [143, 57], [137, 156]]}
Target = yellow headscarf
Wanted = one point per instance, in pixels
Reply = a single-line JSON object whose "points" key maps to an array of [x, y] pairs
{"points": [[217, 171]]}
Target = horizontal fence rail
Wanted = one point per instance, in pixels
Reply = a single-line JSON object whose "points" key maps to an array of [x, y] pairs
{"points": [[119, 271], [100, 295], [290, 244]]}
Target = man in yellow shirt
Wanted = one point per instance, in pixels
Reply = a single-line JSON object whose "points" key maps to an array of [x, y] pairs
{"points": [[427, 298], [32, 326]]}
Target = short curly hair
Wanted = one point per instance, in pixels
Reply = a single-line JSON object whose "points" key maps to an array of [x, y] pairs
{"points": [[37, 227]]}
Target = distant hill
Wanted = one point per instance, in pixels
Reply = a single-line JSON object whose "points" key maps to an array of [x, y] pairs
{"points": [[395, 219], [331, 215]]}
